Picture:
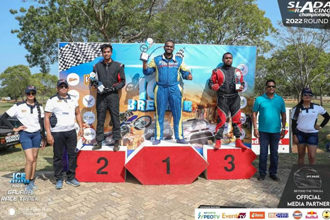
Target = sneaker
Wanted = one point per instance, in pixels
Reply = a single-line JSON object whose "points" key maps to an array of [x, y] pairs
{"points": [[261, 177], [34, 187], [98, 146], [59, 184], [182, 141], [29, 189], [73, 182], [275, 178], [156, 142], [239, 143], [116, 146]]}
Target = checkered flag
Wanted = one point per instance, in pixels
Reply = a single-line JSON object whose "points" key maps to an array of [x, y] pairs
{"points": [[74, 54]]}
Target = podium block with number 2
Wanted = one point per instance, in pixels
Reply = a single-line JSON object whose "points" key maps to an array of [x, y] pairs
{"points": [[233, 163], [166, 164], [101, 165]]}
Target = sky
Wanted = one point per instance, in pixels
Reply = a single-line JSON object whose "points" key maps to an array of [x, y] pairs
{"points": [[11, 53]]}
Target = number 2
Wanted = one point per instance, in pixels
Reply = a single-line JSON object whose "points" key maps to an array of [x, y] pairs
{"points": [[99, 171]]}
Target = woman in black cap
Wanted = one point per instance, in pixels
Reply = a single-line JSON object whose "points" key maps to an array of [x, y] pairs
{"points": [[31, 133], [304, 125]]}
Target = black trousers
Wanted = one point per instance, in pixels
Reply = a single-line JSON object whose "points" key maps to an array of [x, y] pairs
{"points": [[68, 140], [110, 102]]}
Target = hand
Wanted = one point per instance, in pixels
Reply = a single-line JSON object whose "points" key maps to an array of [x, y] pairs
{"points": [[282, 134], [50, 139], [20, 128], [241, 88], [295, 139], [43, 143], [189, 77], [256, 133], [81, 132], [317, 127], [215, 87]]}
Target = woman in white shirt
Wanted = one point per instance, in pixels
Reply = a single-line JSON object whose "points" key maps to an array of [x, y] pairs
{"points": [[30, 114], [304, 125]]}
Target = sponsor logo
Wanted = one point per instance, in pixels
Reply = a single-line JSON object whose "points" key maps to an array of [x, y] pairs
{"points": [[208, 215], [312, 215], [243, 68], [89, 117], [241, 215], [309, 6], [73, 79], [278, 215], [89, 134], [19, 178], [257, 215], [297, 215], [74, 94], [326, 214], [86, 79], [88, 101], [23, 110]]}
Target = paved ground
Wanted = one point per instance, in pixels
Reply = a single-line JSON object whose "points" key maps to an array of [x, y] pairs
{"points": [[131, 200]]}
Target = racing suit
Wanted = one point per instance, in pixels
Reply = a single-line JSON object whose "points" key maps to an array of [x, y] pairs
{"points": [[228, 101], [168, 90], [111, 75]]}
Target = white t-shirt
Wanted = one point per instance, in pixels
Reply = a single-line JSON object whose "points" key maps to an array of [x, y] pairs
{"points": [[64, 116], [307, 117], [27, 115]]}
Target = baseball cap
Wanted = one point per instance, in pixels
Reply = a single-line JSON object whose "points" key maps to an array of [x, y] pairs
{"points": [[62, 81], [307, 91], [30, 88]]}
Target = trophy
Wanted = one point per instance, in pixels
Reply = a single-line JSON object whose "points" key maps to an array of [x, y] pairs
{"points": [[238, 76], [95, 82], [144, 48]]}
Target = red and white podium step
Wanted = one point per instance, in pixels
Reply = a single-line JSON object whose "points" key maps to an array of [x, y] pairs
{"points": [[166, 163], [102, 165], [229, 162]]}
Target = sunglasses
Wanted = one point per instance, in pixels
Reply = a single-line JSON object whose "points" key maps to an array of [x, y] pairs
{"points": [[61, 87], [308, 94], [31, 93], [271, 86]]}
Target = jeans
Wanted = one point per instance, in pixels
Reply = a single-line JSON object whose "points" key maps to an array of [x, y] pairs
{"points": [[271, 139]]}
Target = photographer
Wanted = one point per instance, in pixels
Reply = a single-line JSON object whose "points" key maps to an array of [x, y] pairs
{"points": [[110, 77]]}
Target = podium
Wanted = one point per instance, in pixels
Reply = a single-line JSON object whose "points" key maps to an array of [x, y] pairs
{"points": [[102, 165], [229, 162], [167, 163]]}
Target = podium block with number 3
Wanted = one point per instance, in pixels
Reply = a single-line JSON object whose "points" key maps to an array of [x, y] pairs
{"points": [[234, 163], [180, 164], [101, 165]]}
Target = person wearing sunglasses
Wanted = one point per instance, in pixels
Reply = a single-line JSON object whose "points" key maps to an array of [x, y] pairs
{"points": [[61, 113], [271, 109], [304, 125], [31, 133]]}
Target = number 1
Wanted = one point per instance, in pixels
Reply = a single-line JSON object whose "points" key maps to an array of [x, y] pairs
{"points": [[168, 168]]}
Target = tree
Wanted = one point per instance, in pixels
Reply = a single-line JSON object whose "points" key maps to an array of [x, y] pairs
{"points": [[231, 22], [15, 79], [46, 85], [49, 22]]}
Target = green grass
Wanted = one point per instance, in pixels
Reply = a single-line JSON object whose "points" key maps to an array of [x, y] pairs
{"points": [[14, 160]]}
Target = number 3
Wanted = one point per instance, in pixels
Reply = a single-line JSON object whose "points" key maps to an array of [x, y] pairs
{"points": [[231, 162]]}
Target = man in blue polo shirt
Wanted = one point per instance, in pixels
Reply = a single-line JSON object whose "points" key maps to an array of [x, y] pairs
{"points": [[271, 108]]}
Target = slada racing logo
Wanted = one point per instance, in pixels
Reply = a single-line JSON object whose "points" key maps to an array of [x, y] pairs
{"points": [[309, 7]]}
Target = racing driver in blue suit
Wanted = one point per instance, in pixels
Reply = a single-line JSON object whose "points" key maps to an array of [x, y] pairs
{"points": [[168, 68]]}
